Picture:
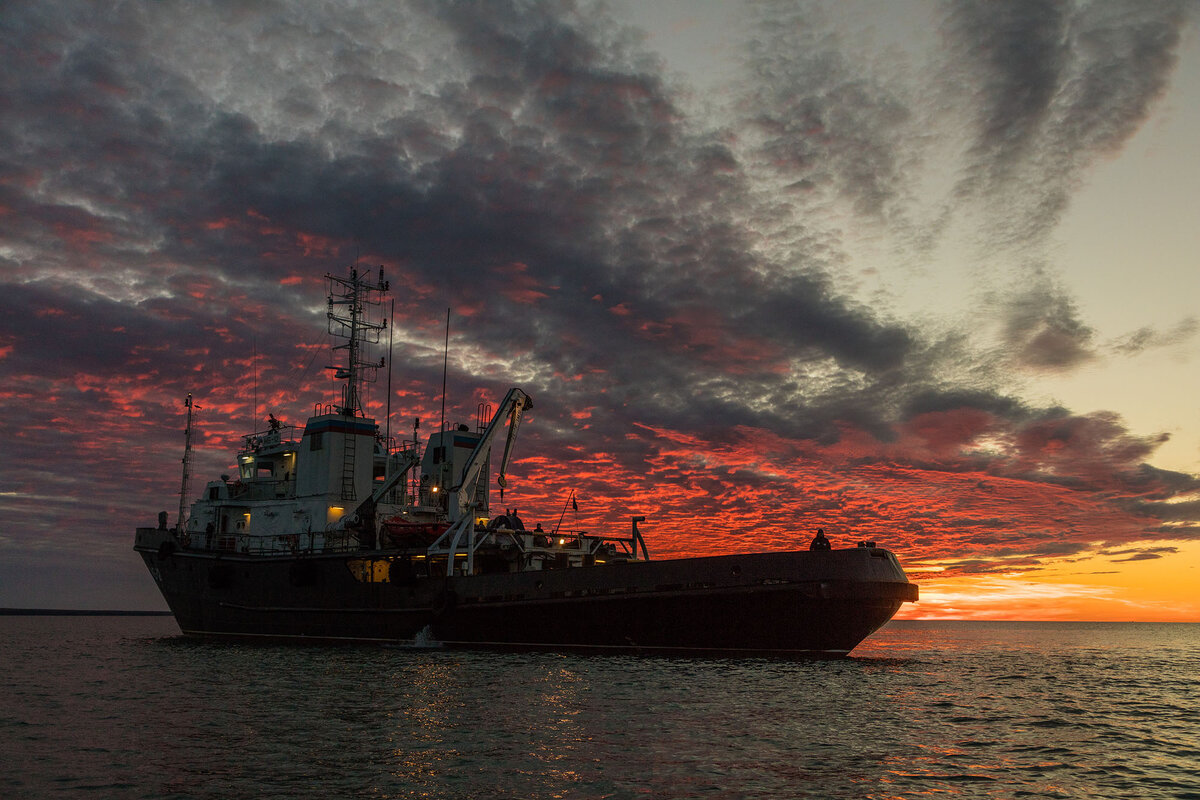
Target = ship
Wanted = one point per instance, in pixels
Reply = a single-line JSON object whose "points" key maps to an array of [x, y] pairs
{"points": [[338, 533]]}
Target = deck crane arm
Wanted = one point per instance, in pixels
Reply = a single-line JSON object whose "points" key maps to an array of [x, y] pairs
{"points": [[408, 461], [364, 515], [514, 405]]}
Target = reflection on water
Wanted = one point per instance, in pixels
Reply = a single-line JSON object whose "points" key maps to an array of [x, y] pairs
{"points": [[124, 708]]}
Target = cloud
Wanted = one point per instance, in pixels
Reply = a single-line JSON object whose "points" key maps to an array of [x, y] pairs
{"points": [[175, 182], [1148, 338], [1139, 554], [819, 122], [1043, 331], [1056, 86]]}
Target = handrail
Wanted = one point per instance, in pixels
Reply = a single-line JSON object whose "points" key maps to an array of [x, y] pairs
{"points": [[283, 435], [340, 541], [260, 488]]}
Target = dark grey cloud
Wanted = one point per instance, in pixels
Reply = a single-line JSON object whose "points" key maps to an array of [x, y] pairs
{"points": [[1139, 553], [1149, 337], [1043, 329], [1055, 86], [817, 119]]}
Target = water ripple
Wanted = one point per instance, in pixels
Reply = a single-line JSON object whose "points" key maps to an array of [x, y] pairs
{"points": [[126, 708]]}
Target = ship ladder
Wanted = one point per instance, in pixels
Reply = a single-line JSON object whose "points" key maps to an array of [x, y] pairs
{"points": [[349, 442]]}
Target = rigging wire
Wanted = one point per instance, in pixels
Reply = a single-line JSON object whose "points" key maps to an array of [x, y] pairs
{"points": [[297, 374]]}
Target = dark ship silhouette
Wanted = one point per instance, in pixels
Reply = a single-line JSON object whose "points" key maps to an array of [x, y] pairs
{"points": [[334, 534]]}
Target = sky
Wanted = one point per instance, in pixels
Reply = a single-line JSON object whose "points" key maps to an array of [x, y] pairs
{"points": [[916, 273]]}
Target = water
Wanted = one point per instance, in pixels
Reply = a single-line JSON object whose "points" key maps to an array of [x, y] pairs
{"points": [[125, 707]]}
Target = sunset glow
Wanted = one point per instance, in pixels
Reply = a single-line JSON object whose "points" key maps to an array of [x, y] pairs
{"points": [[889, 270]]}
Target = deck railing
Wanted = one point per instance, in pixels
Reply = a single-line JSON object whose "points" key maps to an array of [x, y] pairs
{"points": [[280, 545]]}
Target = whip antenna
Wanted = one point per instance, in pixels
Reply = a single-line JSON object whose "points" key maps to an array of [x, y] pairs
{"points": [[445, 363]]}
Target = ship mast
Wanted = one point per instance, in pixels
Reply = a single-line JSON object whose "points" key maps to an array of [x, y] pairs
{"points": [[359, 323], [187, 465]]}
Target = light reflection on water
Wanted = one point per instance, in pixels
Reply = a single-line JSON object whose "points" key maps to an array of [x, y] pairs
{"points": [[124, 708]]}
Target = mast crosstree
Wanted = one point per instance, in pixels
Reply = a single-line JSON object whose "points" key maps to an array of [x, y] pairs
{"points": [[355, 314]]}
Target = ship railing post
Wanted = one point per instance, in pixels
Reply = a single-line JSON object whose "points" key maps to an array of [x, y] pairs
{"points": [[637, 539], [472, 539]]}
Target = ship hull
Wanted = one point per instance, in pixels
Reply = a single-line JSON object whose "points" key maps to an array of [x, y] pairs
{"points": [[806, 603]]}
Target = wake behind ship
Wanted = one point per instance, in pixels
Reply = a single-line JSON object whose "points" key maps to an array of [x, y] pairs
{"points": [[335, 533]]}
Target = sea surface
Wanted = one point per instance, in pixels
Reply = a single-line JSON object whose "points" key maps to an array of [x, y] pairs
{"points": [[120, 707]]}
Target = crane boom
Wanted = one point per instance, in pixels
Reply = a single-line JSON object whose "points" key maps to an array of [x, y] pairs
{"points": [[514, 405]]}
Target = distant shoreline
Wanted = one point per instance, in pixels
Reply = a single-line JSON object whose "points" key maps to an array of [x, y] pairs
{"points": [[77, 612]]}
